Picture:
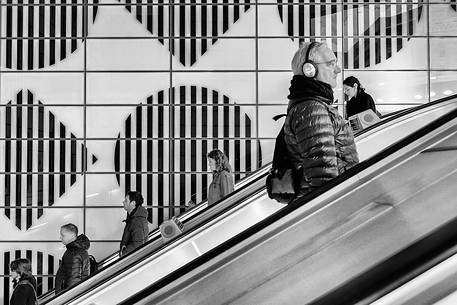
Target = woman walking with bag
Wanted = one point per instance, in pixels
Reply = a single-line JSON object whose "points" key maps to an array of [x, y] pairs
{"points": [[24, 283]]}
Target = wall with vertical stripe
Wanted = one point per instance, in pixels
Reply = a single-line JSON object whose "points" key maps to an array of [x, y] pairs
{"points": [[98, 97]]}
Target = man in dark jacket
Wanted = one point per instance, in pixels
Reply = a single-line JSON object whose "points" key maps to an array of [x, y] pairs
{"points": [[75, 264], [320, 143], [136, 225]]}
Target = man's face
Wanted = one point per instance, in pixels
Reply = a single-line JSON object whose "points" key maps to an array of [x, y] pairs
{"points": [[327, 64], [127, 204], [66, 236]]}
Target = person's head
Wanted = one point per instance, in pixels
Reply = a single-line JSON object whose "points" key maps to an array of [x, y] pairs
{"points": [[68, 233], [351, 86], [20, 267], [132, 200], [218, 161], [317, 56]]}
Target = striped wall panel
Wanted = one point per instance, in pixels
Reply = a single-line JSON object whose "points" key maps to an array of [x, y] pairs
{"points": [[186, 19], [35, 141], [42, 265], [308, 19], [212, 116], [54, 23]]}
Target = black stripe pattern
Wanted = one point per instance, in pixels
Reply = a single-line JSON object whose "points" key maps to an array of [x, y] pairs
{"points": [[35, 142], [43, 267], [185, 19], [43, 33], [306, 19], [199, 120]]}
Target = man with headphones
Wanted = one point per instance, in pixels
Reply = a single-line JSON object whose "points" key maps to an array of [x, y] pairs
{"points": [[319, 142]]}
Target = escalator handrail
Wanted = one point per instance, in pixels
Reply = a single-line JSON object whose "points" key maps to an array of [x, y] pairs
{"points": [[216, 210], [199, 261], [187, 216], [404, 112]]}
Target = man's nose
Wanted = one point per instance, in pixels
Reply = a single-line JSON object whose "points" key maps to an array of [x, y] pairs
{"points": [[337, 69]]}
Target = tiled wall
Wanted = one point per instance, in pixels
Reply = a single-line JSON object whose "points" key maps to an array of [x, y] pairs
{"points": [[101, 96]]}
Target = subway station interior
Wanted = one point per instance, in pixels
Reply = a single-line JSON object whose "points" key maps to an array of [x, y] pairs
{"points": [[102, 97]]}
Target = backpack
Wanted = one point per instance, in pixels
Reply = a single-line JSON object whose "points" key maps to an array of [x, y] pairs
{"points": [[93, 265], [282, 180]]}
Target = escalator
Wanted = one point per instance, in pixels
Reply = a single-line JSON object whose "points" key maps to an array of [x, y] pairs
{"points": [[302, 254], [207, 229]]}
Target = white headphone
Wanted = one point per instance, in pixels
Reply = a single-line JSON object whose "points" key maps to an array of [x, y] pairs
{"points": [[309, 68]]}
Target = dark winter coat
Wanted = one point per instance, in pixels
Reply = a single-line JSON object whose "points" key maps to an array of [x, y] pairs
{"points": [[24, 292], [363, 101], [320, 143], [75, 265], [221, 186], [136, 230]]}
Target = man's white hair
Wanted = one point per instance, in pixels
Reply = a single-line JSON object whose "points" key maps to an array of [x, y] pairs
{"points": [[300, 56]]}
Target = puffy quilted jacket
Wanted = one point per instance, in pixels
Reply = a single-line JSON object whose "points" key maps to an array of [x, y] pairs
{"points": [[319, 142], [75, 265]]}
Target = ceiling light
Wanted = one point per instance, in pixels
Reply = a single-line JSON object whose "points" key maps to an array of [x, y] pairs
{"points": [[447, 92]]}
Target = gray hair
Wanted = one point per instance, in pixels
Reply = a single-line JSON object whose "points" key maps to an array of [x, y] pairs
{"points": [[70, 228], [300, 56]]}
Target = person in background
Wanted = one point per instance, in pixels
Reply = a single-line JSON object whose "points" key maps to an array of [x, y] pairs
{"points": [[358, 99], [75, 264], [319, 142], [222, 183], [24, 283], [136, 224]]}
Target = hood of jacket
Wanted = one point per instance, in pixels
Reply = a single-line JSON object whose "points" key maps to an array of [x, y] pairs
{"points": [[139, 211], [302, 87], [81, 242]]}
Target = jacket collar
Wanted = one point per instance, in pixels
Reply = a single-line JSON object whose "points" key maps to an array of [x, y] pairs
{"points": [[302, 88]]}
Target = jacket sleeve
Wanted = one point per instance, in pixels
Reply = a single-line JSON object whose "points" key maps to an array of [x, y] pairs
{"points": [[76, 274], [371, 103], [137, 236], [59, 282], [315, 137], [226, 183], [85, 267]]}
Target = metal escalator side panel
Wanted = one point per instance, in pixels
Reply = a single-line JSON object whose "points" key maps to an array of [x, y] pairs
{"points": [[366, 139], [281, 222]]}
